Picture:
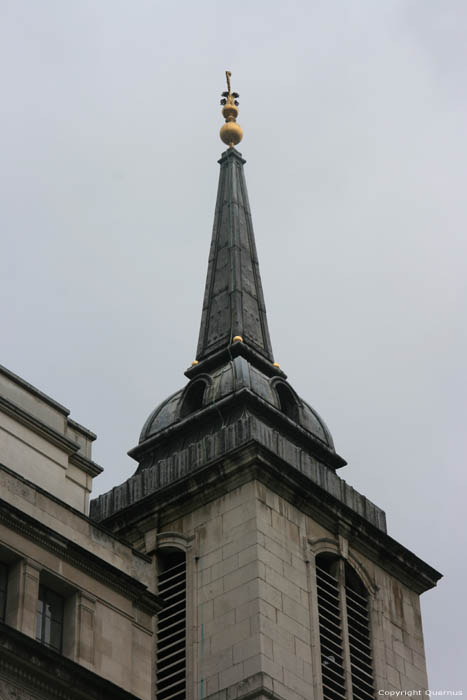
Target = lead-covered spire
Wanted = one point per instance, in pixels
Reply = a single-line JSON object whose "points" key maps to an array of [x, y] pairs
{"points": [[233, 309], [233, 299]]}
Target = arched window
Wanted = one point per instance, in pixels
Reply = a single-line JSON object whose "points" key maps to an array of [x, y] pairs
{"points": [[171, 628], [344, 631], [193, 399], [287, 400]]}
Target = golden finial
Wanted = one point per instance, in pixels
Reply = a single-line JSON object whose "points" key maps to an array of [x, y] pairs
{"points": [[231, 133]]}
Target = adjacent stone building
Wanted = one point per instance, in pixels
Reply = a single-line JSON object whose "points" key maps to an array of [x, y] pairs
{"points": [[269, 575], [76, 602]]}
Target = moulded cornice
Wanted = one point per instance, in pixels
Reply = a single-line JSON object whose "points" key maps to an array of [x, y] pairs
{"points": [[253, 461], [38, 427], [79, 557]]}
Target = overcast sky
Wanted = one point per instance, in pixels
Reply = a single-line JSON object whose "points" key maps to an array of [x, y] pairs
{"points": [[354, 115]]}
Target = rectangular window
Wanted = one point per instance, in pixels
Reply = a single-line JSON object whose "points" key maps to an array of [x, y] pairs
{"points": [[3, 590], [49, 623]]}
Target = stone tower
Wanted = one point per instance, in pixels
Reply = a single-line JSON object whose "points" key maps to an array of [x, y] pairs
{"points": [[279, 579]]}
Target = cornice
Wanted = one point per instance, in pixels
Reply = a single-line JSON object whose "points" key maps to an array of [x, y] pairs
{"points": [[79, 557], [75, 513], [33, 390], [37, 426], [252, 461], [87, 465]]}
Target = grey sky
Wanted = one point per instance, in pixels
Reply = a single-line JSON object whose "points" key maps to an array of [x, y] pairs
{"points": [[355, 135]]}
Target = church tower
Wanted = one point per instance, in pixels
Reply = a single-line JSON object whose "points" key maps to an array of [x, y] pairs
{"points": [[279, 580]]}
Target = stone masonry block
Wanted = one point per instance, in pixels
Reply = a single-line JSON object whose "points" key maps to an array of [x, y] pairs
{"points": [[287, 528], [210, 558], [246, 573], [243, 650], [212, 684], [278, 548], [206, 611], [268, 611], [298, 684], [270, 594], [287, 661], [240, 514], [248, 555], [294, 610], [281, 637], [271, 560], [284, 585], [308, 673], [264, 512], [249, 610], [402, 650], [265, 495], [205, 576], [236, 597], [399, 663], [393, 677], [219, 624], [414, 642], [211, 591], [234, 674], [302, 650], [296, 628], [419, 661], [416, 675], [236, 546], [215, 662], [224, 567], [230, 635], [240, 529], [253, 665]]}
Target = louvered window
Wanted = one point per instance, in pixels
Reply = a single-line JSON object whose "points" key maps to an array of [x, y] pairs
{"points": [[358, 622], [344, 631], [171, 635]]}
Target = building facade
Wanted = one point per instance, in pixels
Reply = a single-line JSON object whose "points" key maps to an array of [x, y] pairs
{"points": [[235, 562], [77, 609]]}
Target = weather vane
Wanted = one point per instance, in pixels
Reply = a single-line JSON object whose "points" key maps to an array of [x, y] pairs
{"points": [[231, 133]]}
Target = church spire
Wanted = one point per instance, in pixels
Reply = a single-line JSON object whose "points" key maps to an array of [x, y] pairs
{"points": [[233, 309]]}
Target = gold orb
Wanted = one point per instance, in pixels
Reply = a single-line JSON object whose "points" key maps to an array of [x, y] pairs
{"points": [[195, 362], [237, 339], [276, 364], [231, 133], [230, 112]]}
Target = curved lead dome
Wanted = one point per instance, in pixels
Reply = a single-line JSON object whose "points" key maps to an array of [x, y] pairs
{"points": [[236, 375]]}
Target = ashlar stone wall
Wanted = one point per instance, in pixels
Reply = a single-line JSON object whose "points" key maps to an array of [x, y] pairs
{"points": [[252, 601]]}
